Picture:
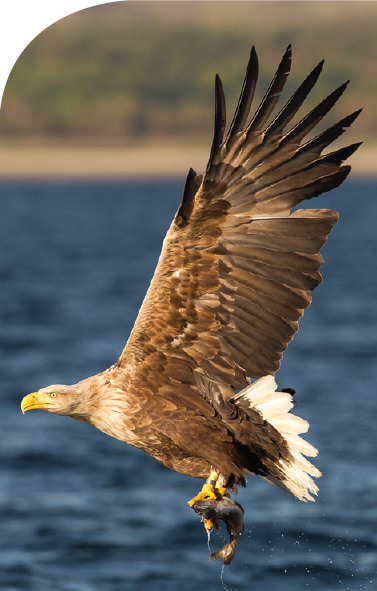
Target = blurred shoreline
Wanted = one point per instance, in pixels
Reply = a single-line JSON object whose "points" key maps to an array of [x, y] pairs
{"points": [[131, 162]]}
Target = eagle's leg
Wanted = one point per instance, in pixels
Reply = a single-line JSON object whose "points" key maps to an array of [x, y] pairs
{"points": [[210, 492]]}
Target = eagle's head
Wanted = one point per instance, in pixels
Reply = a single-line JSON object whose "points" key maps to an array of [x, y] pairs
{"points": [[59, 399]]}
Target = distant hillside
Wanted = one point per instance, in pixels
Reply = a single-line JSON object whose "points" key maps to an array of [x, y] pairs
{"points": [[130, 71]]}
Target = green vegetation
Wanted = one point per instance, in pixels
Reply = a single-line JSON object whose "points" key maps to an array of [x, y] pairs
{"points": [[138, 70]]}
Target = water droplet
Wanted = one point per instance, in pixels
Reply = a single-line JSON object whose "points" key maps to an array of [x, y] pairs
{"points": [[208, 539]]}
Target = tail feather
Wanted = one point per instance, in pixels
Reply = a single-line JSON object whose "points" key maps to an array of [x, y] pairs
{"points": [[296, 472], [289, 423], [276, 404]]}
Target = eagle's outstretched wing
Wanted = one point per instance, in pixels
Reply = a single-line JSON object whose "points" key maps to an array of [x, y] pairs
{"points": [[237, 267], [233, 279]]}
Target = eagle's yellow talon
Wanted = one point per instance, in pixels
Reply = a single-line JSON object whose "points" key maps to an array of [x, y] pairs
{"points": [[209, 492], [208, 524], [221, 490]]}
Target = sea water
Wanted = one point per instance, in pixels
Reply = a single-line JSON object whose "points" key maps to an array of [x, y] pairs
{"points": [[83, 512]]}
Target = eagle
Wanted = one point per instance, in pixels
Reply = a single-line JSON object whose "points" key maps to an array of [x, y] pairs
{"points": [[194, 386]]}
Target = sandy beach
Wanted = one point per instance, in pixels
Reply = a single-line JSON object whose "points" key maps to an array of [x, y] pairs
{"points": [[137, 162]]}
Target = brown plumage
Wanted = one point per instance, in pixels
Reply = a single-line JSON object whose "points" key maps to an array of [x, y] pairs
{"points": [[233, 279]]}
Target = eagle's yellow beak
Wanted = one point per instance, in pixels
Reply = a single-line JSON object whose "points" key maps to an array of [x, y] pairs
{"points": [[34, 400]]}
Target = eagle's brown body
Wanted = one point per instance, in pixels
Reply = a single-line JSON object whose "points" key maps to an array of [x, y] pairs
{"points": [[233, 279]]}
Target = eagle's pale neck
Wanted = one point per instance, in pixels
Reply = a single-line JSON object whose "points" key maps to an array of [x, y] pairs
{"points": [[104, 404]]}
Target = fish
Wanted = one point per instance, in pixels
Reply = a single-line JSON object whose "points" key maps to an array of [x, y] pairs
{"points": [[231, 513]]}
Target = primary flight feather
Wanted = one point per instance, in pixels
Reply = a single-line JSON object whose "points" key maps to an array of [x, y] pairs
{"points": [[233, 279]]}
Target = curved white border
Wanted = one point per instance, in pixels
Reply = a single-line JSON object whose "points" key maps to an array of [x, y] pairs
{"points": [[22, 20]]}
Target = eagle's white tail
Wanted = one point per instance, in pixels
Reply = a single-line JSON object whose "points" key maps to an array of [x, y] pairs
{"points": [[275, 408]]}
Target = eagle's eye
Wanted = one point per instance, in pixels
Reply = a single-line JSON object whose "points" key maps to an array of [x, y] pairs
{"points": [[53, 394]]}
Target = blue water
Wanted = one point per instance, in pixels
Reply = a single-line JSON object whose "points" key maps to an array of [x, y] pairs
{"points": [[83, 512]]}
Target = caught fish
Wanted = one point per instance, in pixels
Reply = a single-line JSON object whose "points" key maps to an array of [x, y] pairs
{"points": [[231, 513]]}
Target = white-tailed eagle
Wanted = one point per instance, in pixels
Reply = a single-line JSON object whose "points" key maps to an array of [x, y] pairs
{"points": [[194, 386]]}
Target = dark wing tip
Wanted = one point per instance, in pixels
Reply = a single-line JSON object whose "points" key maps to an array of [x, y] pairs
{"points": [[246, 97], [319, 67], [351, 149], [189, 193], [287, 57], [253, 53], [347, 121], [292, 106], [272, 95], [344, 85], [220, 119], [357, 113]]}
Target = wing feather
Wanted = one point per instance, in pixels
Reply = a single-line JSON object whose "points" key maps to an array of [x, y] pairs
{"points": [[246, 97], [237, 265]]}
